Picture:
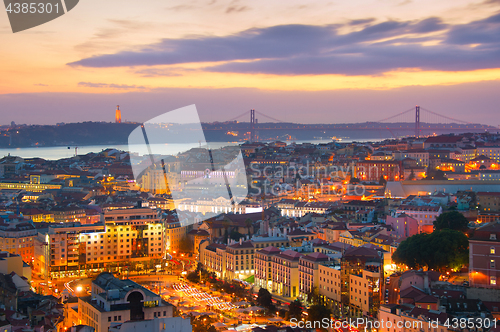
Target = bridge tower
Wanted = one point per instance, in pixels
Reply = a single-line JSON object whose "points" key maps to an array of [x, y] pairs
{"points": [[417, 121], [252, 125]]}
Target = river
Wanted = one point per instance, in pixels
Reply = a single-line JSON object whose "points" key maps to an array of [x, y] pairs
{"points": [[60, 152]]}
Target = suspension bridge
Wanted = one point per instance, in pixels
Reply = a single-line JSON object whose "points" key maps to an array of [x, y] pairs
{"points": [[416, 121]]}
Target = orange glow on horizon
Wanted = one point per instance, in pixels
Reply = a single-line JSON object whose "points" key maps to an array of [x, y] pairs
{"points": [[68, 79]]}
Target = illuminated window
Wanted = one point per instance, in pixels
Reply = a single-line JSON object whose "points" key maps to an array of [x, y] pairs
{"points": [[493, 280]]}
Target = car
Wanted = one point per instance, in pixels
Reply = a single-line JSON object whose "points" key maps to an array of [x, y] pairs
{"points": [[388, 280], [387, 291], [386, 301]]}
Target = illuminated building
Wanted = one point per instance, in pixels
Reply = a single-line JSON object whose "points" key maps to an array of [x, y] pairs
{"points": [[493, 152], [484, 256], [153, 179], [308, 272], [213, 258], [174, 233], [420, 156], [425, 215], [14, 263], [488, 201], [68, 214], [263, 271], [239, 260], [73, 249], [114, 301], [373, 170], [403, 225], [329, 287], [17, 236], [29, 186], [285, 273], [59, 249], [361, 280]]}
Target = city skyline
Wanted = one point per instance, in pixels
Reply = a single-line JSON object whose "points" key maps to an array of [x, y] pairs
{"points": [[314, 63]]}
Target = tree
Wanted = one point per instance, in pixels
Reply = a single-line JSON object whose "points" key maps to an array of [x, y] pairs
{"points": [[235, 235], [226, 223], [313, 295], [439, 250], [295, 309], [451, 220], [382, 180], [317, 312], [203, 324], [411, 177], [185, 244], [193, 277], [265, 299], [248, 224]]}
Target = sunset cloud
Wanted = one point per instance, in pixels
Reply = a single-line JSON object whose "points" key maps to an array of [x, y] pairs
{"points": [[315, 50]]}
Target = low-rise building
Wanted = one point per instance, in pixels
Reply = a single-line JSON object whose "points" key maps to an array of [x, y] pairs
{"points": [[425, 215], [484, 256], [116, 301], [17, 236]]}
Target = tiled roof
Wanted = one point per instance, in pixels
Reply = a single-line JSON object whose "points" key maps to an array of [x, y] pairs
{"points": [[316, 257]]}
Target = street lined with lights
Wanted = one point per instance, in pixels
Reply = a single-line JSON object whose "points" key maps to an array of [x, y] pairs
{"points": [[201, 296]]}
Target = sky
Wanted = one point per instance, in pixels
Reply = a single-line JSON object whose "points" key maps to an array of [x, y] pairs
{"points": [[298, 61]]}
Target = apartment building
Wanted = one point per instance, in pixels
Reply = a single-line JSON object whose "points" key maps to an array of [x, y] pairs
{"points": [[333, 230], [174, 233], [403, 225], [492, 152], [276, 239], [285, 273], [484, 256], [361, 280], [399, 318], [425, 215], [301, 208], [467, 154], [17, 236], [170, 324], [115, 301], [488, 201], [420, 156], [126, 235], [230, 261], [68, 214], [38, 215], [308, 272], [373, 170], [59, 249], [263, 267], [240, 260], [14, 263], [213, 258], [364, 289], [133, 233], [329, 286]]}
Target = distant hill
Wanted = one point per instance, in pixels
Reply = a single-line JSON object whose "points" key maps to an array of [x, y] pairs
{"points": [[86, 133], [96, 133], [101, 133]]}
